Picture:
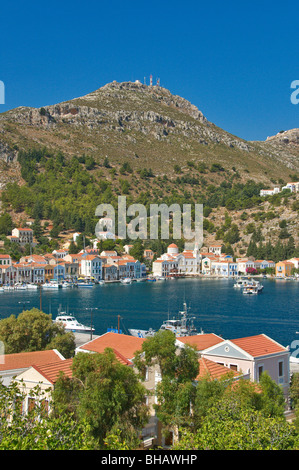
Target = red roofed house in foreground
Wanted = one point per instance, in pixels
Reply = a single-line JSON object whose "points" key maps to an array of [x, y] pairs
{"points": [[253, 355], [12, 365]]}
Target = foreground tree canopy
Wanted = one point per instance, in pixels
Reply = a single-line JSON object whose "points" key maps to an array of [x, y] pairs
{"points": [[105, 394], [34, 330]]}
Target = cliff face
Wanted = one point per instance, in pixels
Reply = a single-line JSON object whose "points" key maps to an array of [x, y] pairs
{"points": [[126, 119]]}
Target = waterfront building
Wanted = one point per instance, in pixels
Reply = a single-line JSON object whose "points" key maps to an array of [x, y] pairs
{"points": [[284, 269], [38, 273], [110, 272], [295, 262], [224, 268], [91, 267], [244, 264], [23, 273], [71, 270], [264, 264], [6, 269]]}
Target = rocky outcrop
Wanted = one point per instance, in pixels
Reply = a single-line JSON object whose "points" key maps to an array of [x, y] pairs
{"points": [[97, 112], [6, 153]]}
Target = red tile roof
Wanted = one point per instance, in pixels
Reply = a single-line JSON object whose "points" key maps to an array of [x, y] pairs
{"points": [[125, 345], [201, 341], [27, 359], [213, 370], [259, 345], [52, 370]]}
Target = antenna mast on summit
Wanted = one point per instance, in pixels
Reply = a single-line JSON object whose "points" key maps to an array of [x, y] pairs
{"points": [[151, 80]]}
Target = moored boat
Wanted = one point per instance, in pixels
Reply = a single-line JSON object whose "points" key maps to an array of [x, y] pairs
{"points": [[70, 323], [181, 326], [51, 285]]}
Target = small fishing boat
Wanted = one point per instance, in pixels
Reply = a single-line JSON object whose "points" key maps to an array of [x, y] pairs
{"points": [[126, 280]]}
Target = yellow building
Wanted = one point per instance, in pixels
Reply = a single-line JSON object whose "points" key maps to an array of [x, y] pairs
{"points": [[284, 269]]}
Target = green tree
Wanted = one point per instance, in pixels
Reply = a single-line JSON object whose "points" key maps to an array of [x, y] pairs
{"points": [[6, 224], [34, 330], [178, 368], [229, 425], [19, 431], [105, 394]]}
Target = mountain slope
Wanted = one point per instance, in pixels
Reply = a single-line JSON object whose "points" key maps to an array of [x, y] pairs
{"points": [[146, 125]]}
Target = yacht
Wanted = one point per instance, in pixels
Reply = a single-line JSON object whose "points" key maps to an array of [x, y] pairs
{"points": [[32, 286], [126, 280], [70, 323]]}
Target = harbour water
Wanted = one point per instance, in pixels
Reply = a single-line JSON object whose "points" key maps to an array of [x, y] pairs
{"points": [[217, 307]]}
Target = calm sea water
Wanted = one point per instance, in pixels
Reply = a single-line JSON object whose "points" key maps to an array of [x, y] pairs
{"points": [[218, 307]]}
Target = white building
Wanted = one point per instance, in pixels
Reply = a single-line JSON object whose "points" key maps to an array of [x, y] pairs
{"points": [[174, 263], [270, 192], [91, 267], [293, 187], [215, 249], [23, 236], [224, 268], [243, 264], [264, 264]]}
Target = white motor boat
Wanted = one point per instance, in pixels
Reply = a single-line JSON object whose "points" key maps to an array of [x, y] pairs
{"points": [[70, 323], [51, 285], [126, 280], [250, 290], [32, 286], [20, 286], [66, 284]]}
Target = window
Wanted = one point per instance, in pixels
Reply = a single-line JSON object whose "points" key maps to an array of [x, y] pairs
{"points": [[280, 369], [260, 371], [233, 367]]}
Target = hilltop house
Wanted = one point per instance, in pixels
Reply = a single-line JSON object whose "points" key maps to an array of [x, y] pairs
{"points": [[23, 236]]}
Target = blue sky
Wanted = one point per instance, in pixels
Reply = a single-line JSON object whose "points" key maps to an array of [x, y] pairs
{"points": [[234, 60]]}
